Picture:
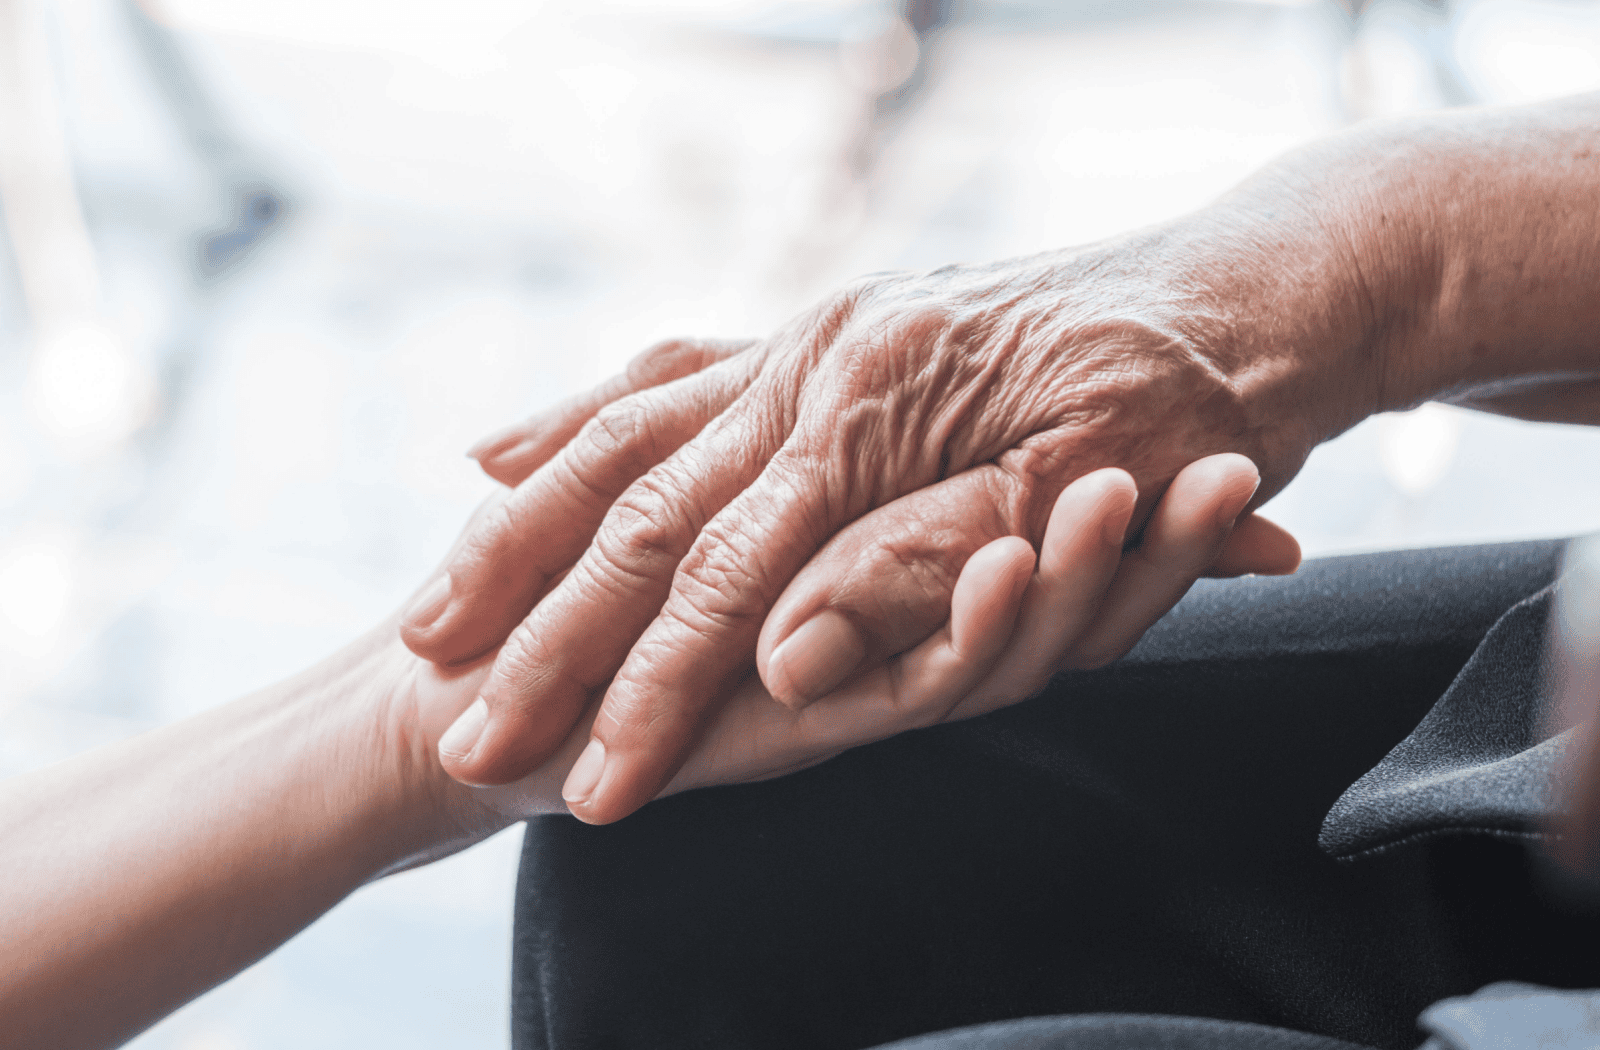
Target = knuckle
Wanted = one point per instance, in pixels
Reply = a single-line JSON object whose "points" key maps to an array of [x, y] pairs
{"points": [[703, 616], [722, 579], [924, 571], [641, 540], [1033, 474], [816, 493], [834, 313], [630, 713], [524, 664], [661, 361], [623, 440], [870, 285], [924, 321], [622, 429], [712, 604], [639, 721], [900, 586], [1031, 464], [497, 524]]}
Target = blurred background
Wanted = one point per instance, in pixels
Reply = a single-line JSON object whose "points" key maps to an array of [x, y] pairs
{"points": [[269, 268]]}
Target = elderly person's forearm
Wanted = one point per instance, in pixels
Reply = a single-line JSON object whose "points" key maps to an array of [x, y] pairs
{"points": [[1471, 239]]}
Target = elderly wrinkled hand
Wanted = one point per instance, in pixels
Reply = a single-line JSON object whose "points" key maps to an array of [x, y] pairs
{"points": [[653, 546], [658, 550], [1012, 622]]}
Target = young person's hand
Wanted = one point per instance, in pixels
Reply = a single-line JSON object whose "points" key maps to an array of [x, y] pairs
{"points": [[1011, 625], [141, 874]]}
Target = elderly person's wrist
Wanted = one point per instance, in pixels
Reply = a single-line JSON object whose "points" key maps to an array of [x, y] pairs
{"points": [[1276, 302], [1518, 305], [1319, 285], [1463, 245]]}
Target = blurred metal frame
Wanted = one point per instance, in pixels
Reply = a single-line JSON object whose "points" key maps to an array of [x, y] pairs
{"points": [[259, 205]]}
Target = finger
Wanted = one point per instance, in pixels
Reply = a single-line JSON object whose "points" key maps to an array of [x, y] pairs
{"points": [[711, 603], [884, 584], [705, 544], [1186, 533], [511, 454], [752, 738], [578, 636], [983, 610], [920, 687], [1078, 560], [841, 613], [536, 534], [1257, 546]]}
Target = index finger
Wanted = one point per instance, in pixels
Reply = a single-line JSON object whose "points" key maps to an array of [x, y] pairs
{"points": [[511, 558], [511, 454]]}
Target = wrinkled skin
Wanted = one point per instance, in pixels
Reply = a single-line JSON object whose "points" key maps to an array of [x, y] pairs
{"points": [[1447, 255], [200, 846], [985, 390], [1014, 621]]}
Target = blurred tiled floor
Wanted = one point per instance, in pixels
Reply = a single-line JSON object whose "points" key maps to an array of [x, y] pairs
{"points": [[495, 207]]}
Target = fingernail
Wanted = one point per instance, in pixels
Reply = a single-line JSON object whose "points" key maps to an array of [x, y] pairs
{"points": [[430, 604], [1226, 520], [459, 740], [585, 773], [494, 454], [1116, 530], [512, 461], [823, 652], [492, 443]]}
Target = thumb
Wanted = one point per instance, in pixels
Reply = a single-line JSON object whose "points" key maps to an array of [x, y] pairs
{"points": [[884, 584]]}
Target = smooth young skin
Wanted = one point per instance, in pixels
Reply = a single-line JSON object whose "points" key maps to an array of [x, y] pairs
{"points": [[1451, 256], [139, 875]]}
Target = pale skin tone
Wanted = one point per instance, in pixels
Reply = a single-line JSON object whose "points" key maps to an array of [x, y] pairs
{"points": [[141, 874], [727, 500], [1442, 256]]}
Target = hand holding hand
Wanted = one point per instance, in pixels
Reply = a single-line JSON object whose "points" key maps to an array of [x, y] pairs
{"points": [[1010, 628], [705, 496], [198, 847]]}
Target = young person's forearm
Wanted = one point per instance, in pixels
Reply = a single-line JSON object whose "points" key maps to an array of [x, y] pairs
{"points": [[140, 875]]}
